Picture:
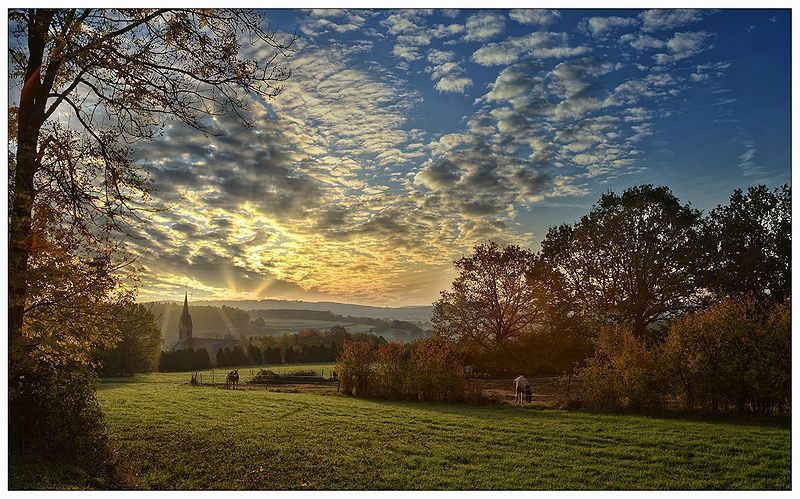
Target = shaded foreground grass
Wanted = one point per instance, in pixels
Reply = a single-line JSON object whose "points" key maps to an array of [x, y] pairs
{"points": [[175, 436]]}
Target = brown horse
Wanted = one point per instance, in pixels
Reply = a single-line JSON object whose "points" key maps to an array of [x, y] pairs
{"points": [[232, 379]]}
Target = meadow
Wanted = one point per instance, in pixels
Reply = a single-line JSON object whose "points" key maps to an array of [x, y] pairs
{"points": [[172, 435]]}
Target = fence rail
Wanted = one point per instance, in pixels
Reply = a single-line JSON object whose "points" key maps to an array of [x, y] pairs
{"points": [[255, 378]]}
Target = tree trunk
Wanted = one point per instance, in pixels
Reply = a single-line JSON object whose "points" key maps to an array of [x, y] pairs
{"points": [[33, 98]]}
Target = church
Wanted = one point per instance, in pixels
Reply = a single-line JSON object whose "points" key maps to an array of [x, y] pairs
{"points": [[186, 340]]}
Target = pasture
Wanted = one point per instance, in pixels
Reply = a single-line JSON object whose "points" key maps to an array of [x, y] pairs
{"points": [[281, 326], [176, 436]]}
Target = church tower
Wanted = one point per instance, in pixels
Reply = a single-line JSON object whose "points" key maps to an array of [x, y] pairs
{"points": [[185, 324]]}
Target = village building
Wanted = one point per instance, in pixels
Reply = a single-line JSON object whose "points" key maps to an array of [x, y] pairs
{"points": [[186, 340]]}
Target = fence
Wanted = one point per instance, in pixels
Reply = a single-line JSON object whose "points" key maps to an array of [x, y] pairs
{"points": [[261, 379]]}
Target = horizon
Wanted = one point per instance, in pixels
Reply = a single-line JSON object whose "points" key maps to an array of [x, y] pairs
{"points": [[405, 137], [204, 301]]}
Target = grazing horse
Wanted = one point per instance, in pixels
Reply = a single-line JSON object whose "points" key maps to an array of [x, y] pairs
{"points": [[520, 385], [232, 379]]}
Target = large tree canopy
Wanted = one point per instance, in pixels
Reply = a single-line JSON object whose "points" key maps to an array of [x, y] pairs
{"points": [[632, 259], [490, 302], [94, 81], [749, 244]]}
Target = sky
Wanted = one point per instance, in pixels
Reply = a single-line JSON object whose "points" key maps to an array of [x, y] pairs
{"points": [[403, 138]]}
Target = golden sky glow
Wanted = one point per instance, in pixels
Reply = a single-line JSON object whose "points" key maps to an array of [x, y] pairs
{"points": [[403, 138]]}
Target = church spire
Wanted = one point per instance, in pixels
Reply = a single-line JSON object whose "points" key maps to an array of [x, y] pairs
{"points": [[185, 324]]}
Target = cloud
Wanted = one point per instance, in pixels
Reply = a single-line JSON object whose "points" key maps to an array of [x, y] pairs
{"points": [[747, 161], [436, 56], [484, 26], [713, 69], [405, 20], [601, 26], [449, 76], [668, 19], [682, 46], [538, 45], [337, 192], [538, 17], [319, 22], [412, 33], [481, 180], [642, 42], [407, 52]]}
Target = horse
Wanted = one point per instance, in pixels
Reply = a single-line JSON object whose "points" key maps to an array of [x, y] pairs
{"points": [[232, 379], [520, 385]]}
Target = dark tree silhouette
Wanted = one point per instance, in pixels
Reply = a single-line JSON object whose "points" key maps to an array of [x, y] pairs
{"points": [[138, 350], [632, 260], [490, 301], [749, 244]]}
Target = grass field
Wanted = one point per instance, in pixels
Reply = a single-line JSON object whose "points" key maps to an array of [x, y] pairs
{"points": [[175, 436]]}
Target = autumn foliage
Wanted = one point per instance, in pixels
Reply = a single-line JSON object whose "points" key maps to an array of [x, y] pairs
{"points": [[425, 369], [734, 356]]}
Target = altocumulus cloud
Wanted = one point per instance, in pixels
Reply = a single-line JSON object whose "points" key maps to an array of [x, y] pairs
{"points": [[341, 191]]}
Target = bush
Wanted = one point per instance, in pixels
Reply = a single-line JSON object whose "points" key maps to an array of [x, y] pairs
{"points": [[425, 369], [732, 356], [622, 375], [436, 371], [55, 413], [354, 367]]}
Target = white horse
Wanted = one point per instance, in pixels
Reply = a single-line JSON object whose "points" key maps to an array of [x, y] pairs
{"points": [[520, 384]]}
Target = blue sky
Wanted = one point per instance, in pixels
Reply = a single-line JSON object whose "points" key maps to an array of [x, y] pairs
{"points": [[405, 137]]}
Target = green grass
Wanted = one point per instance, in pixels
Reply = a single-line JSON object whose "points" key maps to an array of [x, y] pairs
{"points": [[175, 436]]}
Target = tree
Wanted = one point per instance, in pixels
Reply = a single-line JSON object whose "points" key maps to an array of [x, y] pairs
{"points": [[632, 260], [201, 359], [95, 81], [354, 366], [254, 355], [733, 354], [92, 83], [490, 302], [749, 244], [139, 347]]}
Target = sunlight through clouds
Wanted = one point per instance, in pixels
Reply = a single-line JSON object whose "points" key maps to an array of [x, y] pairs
{"points": [[405, 137]]}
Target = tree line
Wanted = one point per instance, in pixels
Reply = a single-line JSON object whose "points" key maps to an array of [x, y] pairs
{"points": [[640, 276], [304, 347]]}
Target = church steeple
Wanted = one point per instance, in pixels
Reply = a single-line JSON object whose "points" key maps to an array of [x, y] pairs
{"points": [[185, 324]]}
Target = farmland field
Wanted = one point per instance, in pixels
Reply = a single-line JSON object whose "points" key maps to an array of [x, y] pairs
{"points": [[295, 325], [175, 436]]}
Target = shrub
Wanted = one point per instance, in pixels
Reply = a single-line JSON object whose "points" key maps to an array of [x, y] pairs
{"points": [[425, 369], [55, 414], [734, 355], [354, 367], [623, 374], [437, 372], [392, 376]]}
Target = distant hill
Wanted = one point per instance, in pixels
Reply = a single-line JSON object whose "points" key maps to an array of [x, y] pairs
{"points": [[417, 313], [224, 321]]}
